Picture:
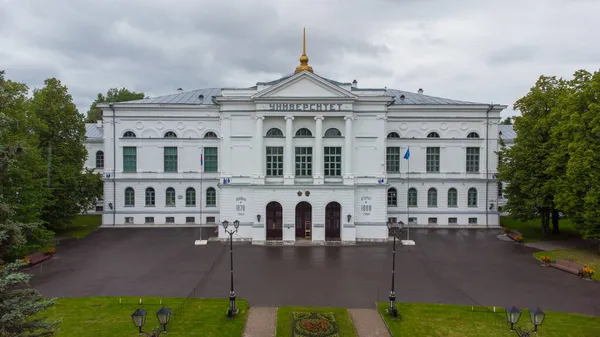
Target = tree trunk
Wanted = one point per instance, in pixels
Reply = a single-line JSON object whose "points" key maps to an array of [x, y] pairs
{"points": [[555, 229], [545, 223]]}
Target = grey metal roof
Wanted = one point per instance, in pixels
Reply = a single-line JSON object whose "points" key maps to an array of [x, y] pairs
{"points": [[413, 98], [186, 97], [507, 133], [92, 131]]}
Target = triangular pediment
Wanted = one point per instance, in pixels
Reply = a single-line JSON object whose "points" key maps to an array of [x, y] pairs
{"points": [[304, 84]]}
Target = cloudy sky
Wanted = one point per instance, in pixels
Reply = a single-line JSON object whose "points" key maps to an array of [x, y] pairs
{"points": [[483, 51]]}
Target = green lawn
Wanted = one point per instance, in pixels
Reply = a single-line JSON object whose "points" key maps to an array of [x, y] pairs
{"points": [[82, 226], [532, 229], [454, 321], [105, 316], [586, 256], [342, 316]]}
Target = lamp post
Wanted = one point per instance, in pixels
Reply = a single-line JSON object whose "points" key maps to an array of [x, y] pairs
{"points": [[536, 316], [394, 229], [232, 311], [139, 319]]}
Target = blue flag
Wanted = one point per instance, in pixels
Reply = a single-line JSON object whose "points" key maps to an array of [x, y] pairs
{"points": [[407, 154]]}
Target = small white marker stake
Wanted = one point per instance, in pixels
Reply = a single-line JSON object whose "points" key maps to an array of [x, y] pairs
{"points": [[120, 301], [140, 300]]}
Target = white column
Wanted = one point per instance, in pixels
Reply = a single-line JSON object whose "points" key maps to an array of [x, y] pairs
{"points": [[225, 146], [318, 152], [347, 153], [260, 148], [288, 164]]}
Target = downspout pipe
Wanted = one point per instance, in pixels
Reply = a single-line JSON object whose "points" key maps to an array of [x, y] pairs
{"points": [[487, 171], [114, 121]]}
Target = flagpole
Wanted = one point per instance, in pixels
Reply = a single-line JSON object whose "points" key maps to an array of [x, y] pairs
{"points": [[407, 203], [200, 201]]}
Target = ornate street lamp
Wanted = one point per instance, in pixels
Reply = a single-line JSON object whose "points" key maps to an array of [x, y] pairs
{"points": [[394, 230], [139, 319], [536, 316], [232, 311]]}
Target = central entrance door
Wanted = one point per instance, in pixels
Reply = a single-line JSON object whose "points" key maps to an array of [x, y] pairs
{"points": [[274, 221], [304, 220], [333, 212]]}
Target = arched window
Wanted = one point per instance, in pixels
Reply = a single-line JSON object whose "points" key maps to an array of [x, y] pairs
{"points": [[275, 133], [393, 135], [210, 134], [129, 134], [170, 134], [211, 197], [433, 135], [170, 197], [304, 132], [432, 197], [333, 132], [150, 197], [472, 197], [129, 197], [473, 135], [99, 159], [190, 197], [412, 197], [452, 197], [392, 197]]}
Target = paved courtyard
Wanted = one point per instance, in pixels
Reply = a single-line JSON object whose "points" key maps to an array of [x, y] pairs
{"points": [[468, 267]]}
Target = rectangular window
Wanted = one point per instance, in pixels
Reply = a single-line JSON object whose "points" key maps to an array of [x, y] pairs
{"points": [[432, 220], [472, 221], [170, 159], [128, 219], [392, 160], [433, 159], [149, 219], [190, 219], [472, 159], [412, 221], [499, 190], [99, 208], [211, 159], [304, 161], [452, 220], [129, 159], [170, 219], [393, 220], [210, 219], [274, 161], [333, 161]]}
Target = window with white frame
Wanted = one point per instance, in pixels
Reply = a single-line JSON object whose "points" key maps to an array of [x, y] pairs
{"points": [[170, 197], [333, 161], [392, 197], [274, 161], [472, 159], [412, 197], [433, 159], [392, 159], [452, 197], [303, 161], [472, 197], [432, 197]]}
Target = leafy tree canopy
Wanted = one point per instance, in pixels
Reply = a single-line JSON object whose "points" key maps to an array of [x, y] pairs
{"points": [[112, 96]]}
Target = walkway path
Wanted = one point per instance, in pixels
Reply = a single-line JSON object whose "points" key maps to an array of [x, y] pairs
{"points": [[368, 323], [262, 322], [558, 244]]}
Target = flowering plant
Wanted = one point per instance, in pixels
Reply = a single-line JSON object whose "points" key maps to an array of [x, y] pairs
{"points": [[50, 251], [545, 259], [587, 272], [26, 260], [518, 238], [506, 230]]}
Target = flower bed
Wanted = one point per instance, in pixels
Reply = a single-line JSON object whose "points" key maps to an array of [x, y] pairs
{"points": [[313, 324]]}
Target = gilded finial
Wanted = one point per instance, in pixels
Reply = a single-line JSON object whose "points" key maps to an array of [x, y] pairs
{"points": [[304, 59]]}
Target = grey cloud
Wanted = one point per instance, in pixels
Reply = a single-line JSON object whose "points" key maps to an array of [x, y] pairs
{"points": [[512, 54]]}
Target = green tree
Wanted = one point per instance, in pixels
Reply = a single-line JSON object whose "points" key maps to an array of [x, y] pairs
{"points": [[61, 132], [507, 121], [112, 96], [524, 167], [577, 148]]}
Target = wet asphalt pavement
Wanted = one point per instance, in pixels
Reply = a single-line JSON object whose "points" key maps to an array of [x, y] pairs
{"points": [[468, 267]]}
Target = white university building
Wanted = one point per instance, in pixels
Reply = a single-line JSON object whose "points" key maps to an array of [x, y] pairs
{"points": [[300, 157]]}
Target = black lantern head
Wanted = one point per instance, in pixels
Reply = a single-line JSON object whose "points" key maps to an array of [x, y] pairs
{"points": [[258, 217], [236, 224], [139, 317], [163, 315], [512, 315], [225, 224], [537, 316], [349, 217], [110, 205]]}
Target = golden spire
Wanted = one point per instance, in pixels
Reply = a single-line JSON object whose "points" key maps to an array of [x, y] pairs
{"points": [[304, 59]]}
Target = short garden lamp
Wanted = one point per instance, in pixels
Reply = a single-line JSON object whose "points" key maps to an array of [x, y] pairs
{"points": [[537, 317], [512, 316], [139, 318], [163, 315]]}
